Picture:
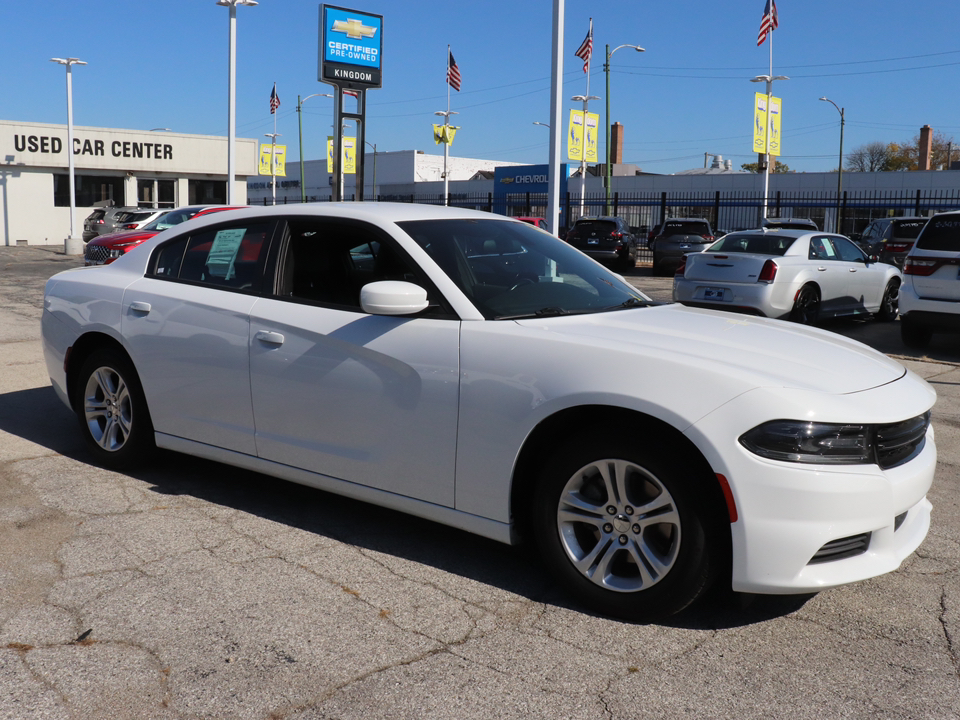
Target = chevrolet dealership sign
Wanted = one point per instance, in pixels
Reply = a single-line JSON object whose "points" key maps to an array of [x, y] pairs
{"points": [[350, 47]]}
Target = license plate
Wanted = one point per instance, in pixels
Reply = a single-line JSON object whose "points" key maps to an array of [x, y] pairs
{"points": [[593, 242], [713, 293]]}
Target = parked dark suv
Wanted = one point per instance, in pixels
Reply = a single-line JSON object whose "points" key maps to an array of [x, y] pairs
{"points": [[605, 239], [891, 238], [677, 237]]}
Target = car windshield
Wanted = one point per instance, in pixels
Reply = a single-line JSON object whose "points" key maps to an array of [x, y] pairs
{"points": [[941, 233], [766, 244], [684, 228], [908, 229], [168, 220], [511, 270]]}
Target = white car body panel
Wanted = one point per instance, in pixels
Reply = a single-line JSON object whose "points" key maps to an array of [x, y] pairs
{"points": [[429, 415]]}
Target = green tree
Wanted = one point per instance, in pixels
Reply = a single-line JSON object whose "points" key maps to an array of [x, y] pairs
{"points": [[778, 167]]}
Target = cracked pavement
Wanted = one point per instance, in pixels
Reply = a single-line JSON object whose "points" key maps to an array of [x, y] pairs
{"points": [[196, 590]]}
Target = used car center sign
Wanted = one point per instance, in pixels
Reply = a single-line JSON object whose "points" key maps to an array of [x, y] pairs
{"points": [[350, 47]]}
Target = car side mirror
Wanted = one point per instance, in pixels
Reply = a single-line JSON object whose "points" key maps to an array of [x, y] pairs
{"points": [[873, 259], [393, 297]]}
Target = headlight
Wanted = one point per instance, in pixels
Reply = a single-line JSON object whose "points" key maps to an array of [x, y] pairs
{"points": [[812, 442]]}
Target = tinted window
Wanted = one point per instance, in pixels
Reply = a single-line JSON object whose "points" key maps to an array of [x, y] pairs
{"points": [[174, 217], [941, 233], [821, 248], [908, 229], [685, 228], [767, 244], [513, 270], [598, 227]]}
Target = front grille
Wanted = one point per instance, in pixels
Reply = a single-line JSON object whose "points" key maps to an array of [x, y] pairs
{"points": [[843, 548], [96, 254], [897, 442]]}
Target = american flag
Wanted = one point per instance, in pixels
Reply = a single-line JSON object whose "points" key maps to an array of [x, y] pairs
{"points": [[770, 21], [586, 48], [274, 100], [453, 73]]}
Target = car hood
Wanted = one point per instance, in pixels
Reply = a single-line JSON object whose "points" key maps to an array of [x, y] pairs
{"points": [[766, 353], [120, 238]]}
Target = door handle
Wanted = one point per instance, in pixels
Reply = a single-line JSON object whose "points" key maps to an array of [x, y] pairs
{"points": [[270, 338], [822, 268], [853, 269], [140, 307]]}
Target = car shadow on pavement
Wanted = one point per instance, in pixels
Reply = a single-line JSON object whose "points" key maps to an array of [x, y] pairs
{"points": [[38, 416]]}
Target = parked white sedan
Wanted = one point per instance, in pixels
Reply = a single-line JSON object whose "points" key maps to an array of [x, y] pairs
{"points": [[788, 274], [476, 371]]}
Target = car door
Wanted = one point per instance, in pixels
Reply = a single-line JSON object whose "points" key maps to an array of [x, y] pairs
{"points": [[364, 398], [866, 281], [830, 275], [188, 331]]}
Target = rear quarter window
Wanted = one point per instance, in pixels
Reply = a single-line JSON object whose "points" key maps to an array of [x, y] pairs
{"points": [[941, 234]]}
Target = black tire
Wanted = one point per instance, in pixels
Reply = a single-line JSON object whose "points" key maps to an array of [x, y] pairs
{"points": [[890, 304], [112, 410], [914, 335], [642, 570], [806, 308]]}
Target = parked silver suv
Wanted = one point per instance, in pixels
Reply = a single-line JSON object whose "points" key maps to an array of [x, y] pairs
{"points": [[930, 294], [103, 221]]}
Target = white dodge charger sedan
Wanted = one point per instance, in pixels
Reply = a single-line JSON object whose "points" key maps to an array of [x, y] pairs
{"points": [[789, 274], [474, 370]]}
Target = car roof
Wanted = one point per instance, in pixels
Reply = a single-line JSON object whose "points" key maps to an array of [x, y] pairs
{"points": [[382, 212], [786, 232]]}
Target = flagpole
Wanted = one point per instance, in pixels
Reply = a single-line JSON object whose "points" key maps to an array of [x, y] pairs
{"points": [[766, 164], [583, 140], [446, 138], [273, 152]]}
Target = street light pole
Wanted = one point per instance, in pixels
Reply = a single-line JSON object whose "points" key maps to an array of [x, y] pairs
{"points": [[445, 114], [232, 93], [585, 99], [768, 79], [606, 69], [70, 246], [273, 161], [303, 189], [840, 166], [374, 146]]}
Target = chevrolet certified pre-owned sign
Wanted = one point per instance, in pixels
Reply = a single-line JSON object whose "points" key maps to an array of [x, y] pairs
{"points": [[350, 47]]}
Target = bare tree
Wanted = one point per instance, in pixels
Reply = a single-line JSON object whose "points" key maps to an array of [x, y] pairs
{"points": [[871, 157]]}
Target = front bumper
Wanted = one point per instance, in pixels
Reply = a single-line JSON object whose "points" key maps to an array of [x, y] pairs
{"points": [[791, 515]]}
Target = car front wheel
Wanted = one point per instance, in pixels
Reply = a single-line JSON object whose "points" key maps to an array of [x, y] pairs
{"points": [[112, 410], [625, 530]]}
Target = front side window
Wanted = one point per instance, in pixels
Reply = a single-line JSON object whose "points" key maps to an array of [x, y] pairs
{"points": [[510, 270], [847, 251]]}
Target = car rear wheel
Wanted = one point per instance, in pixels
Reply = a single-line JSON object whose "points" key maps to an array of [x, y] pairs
{"points": [[806, 308], [890, 304], [624, 529], [112, 410], [914, 335]]}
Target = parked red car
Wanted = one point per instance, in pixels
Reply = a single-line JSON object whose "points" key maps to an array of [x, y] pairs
{"points": [[107, 248]]}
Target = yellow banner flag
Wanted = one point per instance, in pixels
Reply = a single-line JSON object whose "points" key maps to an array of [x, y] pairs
{"points": [[279, 160], [349, 156], [760, 123], [776, 108], [444, 134], [575, 136], [592, 127]]}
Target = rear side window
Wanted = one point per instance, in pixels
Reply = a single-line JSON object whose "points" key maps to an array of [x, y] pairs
{"points": [[941, 233], [685, 228], [228, 257]]}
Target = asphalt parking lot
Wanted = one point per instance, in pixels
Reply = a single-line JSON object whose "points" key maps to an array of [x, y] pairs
{"points": [[195, 590]]}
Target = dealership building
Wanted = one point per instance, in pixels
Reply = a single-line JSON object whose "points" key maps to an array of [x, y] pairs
{"points": [[111, 167]]}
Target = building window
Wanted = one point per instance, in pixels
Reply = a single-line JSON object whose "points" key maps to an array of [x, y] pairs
{"points": [[90, 190], [208, 192], [157, 193]]}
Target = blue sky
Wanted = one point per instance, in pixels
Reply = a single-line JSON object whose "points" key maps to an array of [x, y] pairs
{"points": [[893, 66]]}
